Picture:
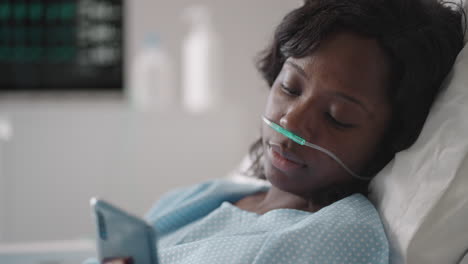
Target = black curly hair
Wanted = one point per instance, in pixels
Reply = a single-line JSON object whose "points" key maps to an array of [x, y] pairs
{"points": [[420, 38]]}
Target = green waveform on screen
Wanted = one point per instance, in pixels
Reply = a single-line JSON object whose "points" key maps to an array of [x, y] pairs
{"points": [[68, 11], [5, 11], [36, 11], [64, 11], [20, 11], [37, 54]]}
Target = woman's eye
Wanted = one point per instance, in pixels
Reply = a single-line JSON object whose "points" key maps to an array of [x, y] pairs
{"points": [[290, 91], [337, 123]]}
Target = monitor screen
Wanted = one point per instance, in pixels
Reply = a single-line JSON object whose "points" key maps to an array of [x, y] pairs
{"points": [[61, 45]]}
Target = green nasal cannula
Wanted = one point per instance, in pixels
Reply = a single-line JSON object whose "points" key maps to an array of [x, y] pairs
{"points": [[304, 142]]}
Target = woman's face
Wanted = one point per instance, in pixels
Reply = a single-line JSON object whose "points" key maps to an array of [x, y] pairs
{"points": [[335, 98]]}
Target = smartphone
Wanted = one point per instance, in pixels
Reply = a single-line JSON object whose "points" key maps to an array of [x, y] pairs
{"points": [[122, 238]]}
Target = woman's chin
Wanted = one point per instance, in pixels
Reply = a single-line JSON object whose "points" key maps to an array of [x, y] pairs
{"points": [[288, 182]]}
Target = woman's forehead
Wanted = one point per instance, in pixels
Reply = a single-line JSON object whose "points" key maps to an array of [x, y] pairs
{"points": [[349, 63]]}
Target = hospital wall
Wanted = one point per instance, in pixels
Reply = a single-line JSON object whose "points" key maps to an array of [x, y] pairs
{"points": [[65, 149]]}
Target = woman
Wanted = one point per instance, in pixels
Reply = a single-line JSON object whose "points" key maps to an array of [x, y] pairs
{"points": [[355, 77]]}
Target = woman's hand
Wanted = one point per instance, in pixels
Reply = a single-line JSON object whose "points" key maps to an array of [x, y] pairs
{"points": [[120, 260]]}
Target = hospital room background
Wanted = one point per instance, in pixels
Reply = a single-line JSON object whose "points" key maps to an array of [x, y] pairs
{"points": [[59, 148], [126, 100]]}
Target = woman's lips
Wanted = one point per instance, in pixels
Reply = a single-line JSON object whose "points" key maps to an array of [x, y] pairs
{"points": [[283, 160]]}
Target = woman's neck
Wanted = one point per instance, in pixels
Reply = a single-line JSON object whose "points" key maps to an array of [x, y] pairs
{"points": [[276, 199]]}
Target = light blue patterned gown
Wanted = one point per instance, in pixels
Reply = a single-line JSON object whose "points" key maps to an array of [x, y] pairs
{"points": [[201, 225]]}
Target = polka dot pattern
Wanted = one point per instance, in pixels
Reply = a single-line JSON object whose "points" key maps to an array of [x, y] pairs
{"points": [[348, 231], [201, 225]]}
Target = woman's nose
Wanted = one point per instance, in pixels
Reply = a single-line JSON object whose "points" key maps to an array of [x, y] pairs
{"points": [[299, 120]]}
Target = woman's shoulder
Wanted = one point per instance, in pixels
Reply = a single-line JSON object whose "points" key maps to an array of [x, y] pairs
{"points": [[354, 210], [348, 231], [181, 195], [221, 188], [349, 220], [190, 203]]}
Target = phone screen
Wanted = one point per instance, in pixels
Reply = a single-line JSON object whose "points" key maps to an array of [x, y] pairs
{"points": [[121, 237]]}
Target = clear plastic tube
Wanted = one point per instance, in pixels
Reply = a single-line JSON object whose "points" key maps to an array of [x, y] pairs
{"points": [[304, 142]]}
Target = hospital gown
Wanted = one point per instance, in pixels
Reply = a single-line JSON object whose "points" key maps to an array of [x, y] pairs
{"points": [[200, 224]]}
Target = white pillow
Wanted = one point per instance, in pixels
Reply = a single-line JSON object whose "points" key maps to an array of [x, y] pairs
{"points": [[422, 195]]}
